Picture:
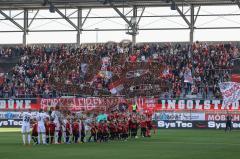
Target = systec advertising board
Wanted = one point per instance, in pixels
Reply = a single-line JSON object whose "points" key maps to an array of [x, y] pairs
{"points": [[10, 123], [178, 124]]}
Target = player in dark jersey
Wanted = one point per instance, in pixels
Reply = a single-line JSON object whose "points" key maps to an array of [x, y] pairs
{"points": [[93, 132], [68, 131], [51, 128], [119, 130], [129, 126], [112, 130], [35, 132], [47, 130], [125, 130], [149, 127], [228, 123], [82, 131], [143, 125], [134, 128], [60, 134], [75, 130], [105, 132], [100, 131]]}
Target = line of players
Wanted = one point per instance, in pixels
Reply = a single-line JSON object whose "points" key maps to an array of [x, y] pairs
{"points": [[52, 127], [39, 127]]}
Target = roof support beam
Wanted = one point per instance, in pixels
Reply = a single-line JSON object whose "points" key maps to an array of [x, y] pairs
{"points": [[11, 20], [238, 3], [128, 12], [141, 15], [120, 14], [134, 24], [80, 24], [197, 15], [62, 15], [120, 29], [183, 16], [89, 11], [192, 24], [66, 18], [72, 13], [17, 14], [25, 24], [35, 15]]}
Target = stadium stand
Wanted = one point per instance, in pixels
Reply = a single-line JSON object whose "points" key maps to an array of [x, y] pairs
{"points": [[153, 69]]}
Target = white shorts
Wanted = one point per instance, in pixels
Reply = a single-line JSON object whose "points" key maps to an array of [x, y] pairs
{"points": [[41, 129], [57, 128], [63, 128], [87, 128], [25, 128]]}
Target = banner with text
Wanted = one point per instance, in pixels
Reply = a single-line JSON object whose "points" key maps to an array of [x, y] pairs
{"points": [[178, 124], [19, 104], [10, 123], [183, 104], [110, 103]]}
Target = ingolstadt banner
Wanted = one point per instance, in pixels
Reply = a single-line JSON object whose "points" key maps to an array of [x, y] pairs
{"points": [[183, 104]]}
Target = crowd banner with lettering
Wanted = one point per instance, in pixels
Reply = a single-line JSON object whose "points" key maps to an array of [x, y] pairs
{"points": [[183, 104], [83, 104], [111, 103], [19, 104], [230, 92]]}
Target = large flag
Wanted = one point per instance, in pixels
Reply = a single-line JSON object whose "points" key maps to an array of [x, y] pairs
{"points": [[116, 87], [230, 92], [188, 76], [84, 67], [136, 73]]}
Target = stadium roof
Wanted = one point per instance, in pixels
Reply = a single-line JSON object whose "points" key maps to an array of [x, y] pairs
{"points": [[19, 4], [23, 23]]}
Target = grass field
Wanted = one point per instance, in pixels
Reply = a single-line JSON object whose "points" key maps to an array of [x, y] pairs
{"points": [[167, 144]]}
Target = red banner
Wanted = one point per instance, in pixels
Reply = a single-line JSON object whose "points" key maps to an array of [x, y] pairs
{"points": [[83, 104]]}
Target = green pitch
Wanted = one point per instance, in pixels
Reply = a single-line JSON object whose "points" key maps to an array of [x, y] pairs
{"points": [[167, 144]]}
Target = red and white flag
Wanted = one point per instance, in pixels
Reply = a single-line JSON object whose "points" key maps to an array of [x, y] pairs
{"points": [[230, 92], [116, 87]]}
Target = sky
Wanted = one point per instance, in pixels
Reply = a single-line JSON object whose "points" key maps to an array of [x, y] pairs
{"points": [[117, 23]]}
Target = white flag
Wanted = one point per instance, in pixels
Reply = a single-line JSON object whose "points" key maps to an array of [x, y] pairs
{"points": [[230, 92]]}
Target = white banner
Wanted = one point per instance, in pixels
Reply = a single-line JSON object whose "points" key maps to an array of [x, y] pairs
{"points": [[230, 92], [179, 116]]}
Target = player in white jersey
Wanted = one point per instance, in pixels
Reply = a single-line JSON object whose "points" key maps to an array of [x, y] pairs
{"points": [[64, 128], [41, 117], [26, 118], [56, 115]]}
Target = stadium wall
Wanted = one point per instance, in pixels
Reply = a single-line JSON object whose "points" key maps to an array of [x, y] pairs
{"points": [[166, 113]]}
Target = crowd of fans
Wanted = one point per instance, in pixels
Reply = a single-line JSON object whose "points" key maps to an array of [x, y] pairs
{"points": [[165, 70]]}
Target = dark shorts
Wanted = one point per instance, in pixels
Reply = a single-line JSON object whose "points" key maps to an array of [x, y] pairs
{"points": [[228, 124], [34, 134]]}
